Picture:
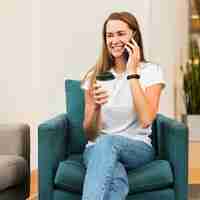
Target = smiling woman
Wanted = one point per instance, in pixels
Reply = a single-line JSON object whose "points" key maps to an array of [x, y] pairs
{"points": [[117, 35], [124, 122]]}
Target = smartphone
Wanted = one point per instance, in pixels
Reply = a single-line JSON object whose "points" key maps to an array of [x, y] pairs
{"points": [[126, 54]]}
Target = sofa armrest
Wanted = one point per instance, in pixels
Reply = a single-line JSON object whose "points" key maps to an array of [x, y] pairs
{"points": [[172, 137], [52, 148], [15, 140]]}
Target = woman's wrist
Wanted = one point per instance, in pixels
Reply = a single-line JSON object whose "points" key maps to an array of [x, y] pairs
{"points": [[132, 71], [97, 107]]}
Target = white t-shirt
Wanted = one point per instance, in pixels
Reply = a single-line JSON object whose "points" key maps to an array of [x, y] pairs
{"points": [[118, 116]]}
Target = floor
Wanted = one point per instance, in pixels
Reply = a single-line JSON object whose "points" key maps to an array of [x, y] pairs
{"points": [[194, 163], [194, 192], [33, 197], [34, 185]]}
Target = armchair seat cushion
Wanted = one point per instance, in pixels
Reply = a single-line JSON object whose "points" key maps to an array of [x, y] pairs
{"points": [[153, 176], [12, 171]]}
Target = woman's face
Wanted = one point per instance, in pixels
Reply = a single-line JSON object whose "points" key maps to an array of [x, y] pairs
{"points": [[117, 35]]}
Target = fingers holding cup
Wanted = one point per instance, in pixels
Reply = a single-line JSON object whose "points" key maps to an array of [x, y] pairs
{"points": [[100, 95]]}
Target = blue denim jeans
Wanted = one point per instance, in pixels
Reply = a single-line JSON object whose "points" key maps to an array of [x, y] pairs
{"points": [[107, 163]]}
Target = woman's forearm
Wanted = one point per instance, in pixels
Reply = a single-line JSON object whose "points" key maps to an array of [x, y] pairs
{"points": [[91, 123], [145, 112]]}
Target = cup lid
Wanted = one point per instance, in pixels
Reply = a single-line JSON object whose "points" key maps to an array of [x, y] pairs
{"points": [[105, 76]]}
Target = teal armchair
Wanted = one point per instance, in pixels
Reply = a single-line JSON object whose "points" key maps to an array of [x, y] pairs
{"points": [[62, 141]]}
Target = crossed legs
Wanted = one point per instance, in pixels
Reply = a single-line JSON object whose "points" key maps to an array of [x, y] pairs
{"points": [[107, 163]]}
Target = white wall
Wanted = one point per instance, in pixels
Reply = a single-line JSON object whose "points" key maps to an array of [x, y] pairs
{"points": [[47, 41], [15, 60], [16, 81], [168, 46]]}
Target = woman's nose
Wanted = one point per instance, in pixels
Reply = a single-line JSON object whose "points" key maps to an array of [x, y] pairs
{"points": [[115, 39]]}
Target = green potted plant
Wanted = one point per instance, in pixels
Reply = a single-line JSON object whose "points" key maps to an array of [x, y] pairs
{"points": [[191, 86]]}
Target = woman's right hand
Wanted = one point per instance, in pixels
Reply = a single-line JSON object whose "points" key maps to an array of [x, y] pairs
{"points": [[100, 95]]}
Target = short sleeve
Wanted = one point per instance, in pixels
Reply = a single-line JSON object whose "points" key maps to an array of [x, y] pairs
{"points": [[152, 74], [85, 85]]}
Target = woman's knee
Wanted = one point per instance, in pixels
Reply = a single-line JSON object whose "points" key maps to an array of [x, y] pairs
{"points": [[106, 145]]}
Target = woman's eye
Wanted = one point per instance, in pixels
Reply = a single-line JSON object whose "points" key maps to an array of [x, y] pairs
{"points": [[118, 34], [122, 34], [108, 36]]}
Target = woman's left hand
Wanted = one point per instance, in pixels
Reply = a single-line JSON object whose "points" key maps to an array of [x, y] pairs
{"points": [[134, 56]]}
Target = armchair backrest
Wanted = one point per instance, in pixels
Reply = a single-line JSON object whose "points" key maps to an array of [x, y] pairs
{"points": [[75, 111]]}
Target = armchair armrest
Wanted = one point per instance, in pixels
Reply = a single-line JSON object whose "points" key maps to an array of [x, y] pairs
{"points": [[172, 137], [15, 140], [52, 148]]}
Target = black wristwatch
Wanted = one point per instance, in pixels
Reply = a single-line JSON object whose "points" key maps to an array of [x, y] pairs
{"points": [[136, 76]]}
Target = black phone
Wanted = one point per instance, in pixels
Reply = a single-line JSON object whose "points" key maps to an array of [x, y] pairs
{"points": [[126, 54]]}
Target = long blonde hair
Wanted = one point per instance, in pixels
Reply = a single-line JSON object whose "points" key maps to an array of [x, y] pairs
{"points": [[105, 61]]}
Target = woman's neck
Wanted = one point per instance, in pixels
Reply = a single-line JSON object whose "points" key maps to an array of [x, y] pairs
{"points": [[120, 65]]}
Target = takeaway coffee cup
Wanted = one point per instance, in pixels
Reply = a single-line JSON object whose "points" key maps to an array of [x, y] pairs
{"points": [[105, 79]]}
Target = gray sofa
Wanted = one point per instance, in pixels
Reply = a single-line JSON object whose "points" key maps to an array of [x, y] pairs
{"points": [[14, 161]]}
